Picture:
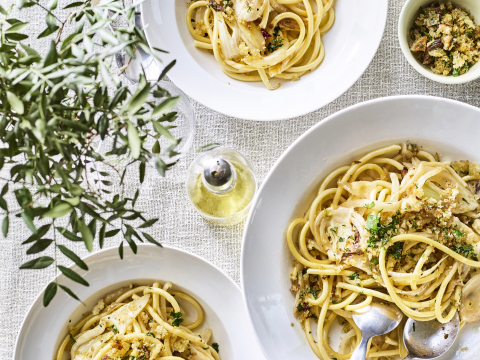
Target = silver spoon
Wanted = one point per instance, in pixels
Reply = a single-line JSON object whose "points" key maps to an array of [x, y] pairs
{"points": [[429, 339], [373, 320]]}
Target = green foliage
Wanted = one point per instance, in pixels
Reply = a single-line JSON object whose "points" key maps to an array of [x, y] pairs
{"points": [[53, 108]]}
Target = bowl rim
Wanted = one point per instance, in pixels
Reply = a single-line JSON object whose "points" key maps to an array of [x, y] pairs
{"points": [[449, 80], [256, 200]]}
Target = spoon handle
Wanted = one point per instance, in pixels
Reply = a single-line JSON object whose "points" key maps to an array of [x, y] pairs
{"points": [[360, 352]]}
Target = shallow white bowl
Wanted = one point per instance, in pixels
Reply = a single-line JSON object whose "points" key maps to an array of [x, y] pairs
{"points": [[409, 13], [44, 328], [349, 48], [448, 127]]}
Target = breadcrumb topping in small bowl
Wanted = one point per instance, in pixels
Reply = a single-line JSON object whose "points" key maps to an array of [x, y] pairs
{"points": [[441, 39]]}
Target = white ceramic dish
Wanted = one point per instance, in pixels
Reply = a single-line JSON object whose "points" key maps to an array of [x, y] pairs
{"points": [[408, 15], [221, 299], [350, 46], [448, 127]]}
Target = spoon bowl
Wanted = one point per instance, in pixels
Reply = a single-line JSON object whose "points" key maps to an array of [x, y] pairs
{"points": [[429, 339], [373, 320]]}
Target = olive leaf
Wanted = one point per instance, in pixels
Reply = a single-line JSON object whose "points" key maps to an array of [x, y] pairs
{"points": [[5, 225], [68, 234], [151, 239], [39, 246], [134, 140], [165, 106], [120, 250], [69, 292], [69, 273], [15, 103], [131, 243], [148, 223], [86, 235], [40, 233], [38, 263], [72, 256], [59, 210], [49, 293]]}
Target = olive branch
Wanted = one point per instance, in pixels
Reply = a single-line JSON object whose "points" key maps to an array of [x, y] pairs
{"points": [[53, 108]]}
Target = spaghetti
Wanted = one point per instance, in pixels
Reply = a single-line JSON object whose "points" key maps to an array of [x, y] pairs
{"points": [[144, 322], [257, 40], [397, 226]]}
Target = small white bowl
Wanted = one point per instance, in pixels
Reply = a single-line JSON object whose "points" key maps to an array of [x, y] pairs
{"points": [[408, 15]]}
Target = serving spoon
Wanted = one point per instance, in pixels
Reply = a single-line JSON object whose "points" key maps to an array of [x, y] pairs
{"points": [[373, 320], [429, 339]]}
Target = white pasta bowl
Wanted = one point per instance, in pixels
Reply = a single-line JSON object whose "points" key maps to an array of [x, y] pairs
{"points": [[349, 48], [43, 329], [409, 13], [447, 127]]}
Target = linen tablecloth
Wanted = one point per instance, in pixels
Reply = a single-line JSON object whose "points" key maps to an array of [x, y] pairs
{"points": [[180, 225]]}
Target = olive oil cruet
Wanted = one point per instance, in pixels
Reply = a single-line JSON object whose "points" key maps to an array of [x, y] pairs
{"points": [[221, 185]]}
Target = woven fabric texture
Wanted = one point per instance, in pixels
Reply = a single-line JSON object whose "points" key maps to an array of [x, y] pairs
{"points": [[180, 226]]}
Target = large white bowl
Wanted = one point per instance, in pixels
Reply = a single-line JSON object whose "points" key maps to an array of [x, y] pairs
{"points": [[409, 13], [448, 127], [349, 48], [44, 328]]}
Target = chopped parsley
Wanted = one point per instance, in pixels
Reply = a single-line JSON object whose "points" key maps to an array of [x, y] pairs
{"points": [[379, 232], [457, 233], [177, 318], [369, 206], [334, 302], [215, 347], [299, 307], [466, 201], [151, 334], [276, 41], [313, 292], [304, 271], [465, 250], [355, 276], [114, 328], [341, 239], [334, 229], [72, 340], [412, 258], [374, 261], [396, 250]]}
